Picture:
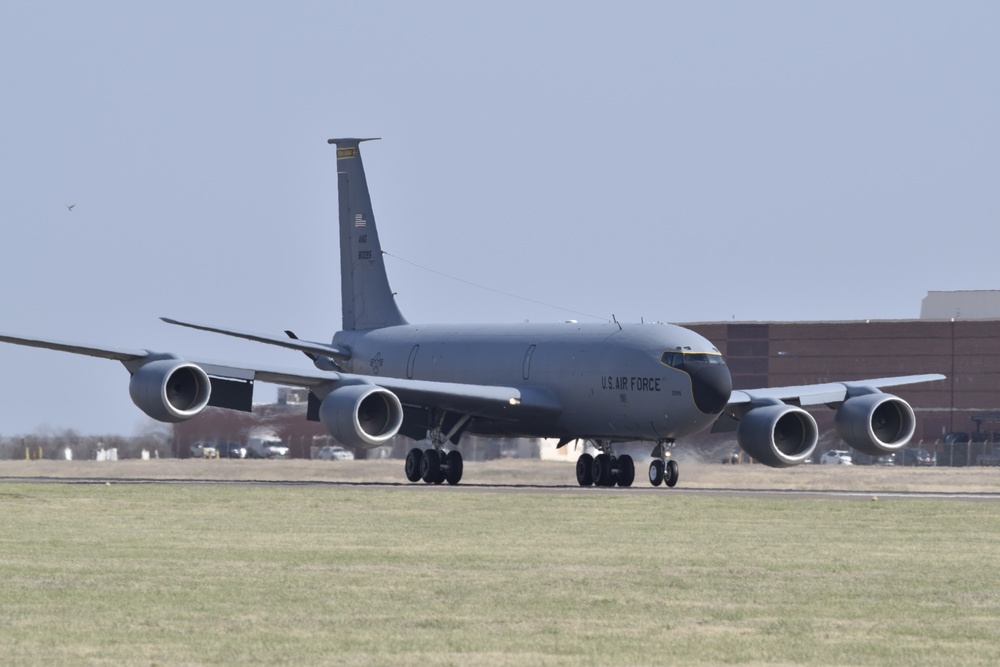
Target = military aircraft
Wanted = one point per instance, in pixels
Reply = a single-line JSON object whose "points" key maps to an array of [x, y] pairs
{"points": [[606, 383]]}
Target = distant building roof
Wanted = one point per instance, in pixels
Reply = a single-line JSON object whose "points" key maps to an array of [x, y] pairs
{"points": [[967, 305]]}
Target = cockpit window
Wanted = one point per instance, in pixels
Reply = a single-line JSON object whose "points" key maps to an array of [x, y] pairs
{"points": [[679, 359], [674, 359]]}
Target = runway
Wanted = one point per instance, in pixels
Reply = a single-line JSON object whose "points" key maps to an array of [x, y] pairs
{"points": [[404, 487]]}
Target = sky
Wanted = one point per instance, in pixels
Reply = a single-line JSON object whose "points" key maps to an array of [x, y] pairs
{"points": [[540, 161]]}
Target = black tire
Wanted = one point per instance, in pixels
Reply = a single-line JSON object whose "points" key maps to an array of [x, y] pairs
{"points": [[455, 467], [413, 458], [626, 470], [585, 470], [602, 470], [430, 466], [672, 473], [656, 472]]}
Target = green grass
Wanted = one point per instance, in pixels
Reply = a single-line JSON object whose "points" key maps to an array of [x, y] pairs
{"points": [[163, 575]]}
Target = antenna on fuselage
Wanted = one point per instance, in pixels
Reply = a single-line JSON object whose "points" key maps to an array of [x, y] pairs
{"points": [[615, 320]]}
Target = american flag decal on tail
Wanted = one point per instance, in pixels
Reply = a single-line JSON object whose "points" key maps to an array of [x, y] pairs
{"points": [[359, 220]]}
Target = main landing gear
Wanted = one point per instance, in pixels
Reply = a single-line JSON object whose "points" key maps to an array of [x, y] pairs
{"points": [[434, 465], [606, 469]]}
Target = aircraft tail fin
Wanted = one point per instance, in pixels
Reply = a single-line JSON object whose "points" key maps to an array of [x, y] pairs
{"points": [[366, 298]]}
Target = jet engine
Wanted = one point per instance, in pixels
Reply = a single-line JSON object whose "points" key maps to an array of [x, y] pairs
{"points": [[875, 423], [778, 435], [361, 415], [170, 390]]}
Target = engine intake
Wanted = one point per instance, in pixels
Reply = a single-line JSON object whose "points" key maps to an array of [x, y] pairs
{"points": [[361, 415], [778, 436], [170, 390], [876, 423]]}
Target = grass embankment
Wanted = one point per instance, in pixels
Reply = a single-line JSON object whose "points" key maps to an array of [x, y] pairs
{"points": [[212, 574]]}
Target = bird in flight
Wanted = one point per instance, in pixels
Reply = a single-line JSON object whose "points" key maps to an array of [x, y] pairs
{"points": [[70, 206]]}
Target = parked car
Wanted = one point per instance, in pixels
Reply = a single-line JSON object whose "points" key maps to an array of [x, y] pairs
{"points": [[918, 457], [837, 457], [231, 450], [334, 453]]}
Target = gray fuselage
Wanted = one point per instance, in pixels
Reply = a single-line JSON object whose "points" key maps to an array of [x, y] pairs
{"points": [[610, 382]]}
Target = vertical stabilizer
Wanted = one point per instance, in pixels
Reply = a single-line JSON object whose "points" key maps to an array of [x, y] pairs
{"points": [[367, 300]]}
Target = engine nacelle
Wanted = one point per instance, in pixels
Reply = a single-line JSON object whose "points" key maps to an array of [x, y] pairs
{"points": [[876, 423], [170, 390], [361, 415], [779, 436]]}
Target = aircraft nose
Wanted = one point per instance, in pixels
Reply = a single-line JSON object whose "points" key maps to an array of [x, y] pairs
{"points": [[712, 385]]}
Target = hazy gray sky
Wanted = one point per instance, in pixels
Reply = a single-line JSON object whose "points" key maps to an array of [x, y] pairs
{"points": [[667, 161]]}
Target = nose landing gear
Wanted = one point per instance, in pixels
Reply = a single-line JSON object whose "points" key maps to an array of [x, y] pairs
{"points": [[663, 469]]}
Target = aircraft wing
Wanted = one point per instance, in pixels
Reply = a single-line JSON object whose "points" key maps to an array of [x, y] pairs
{"points": [[116, 353], [478, 400], [829, 392]]}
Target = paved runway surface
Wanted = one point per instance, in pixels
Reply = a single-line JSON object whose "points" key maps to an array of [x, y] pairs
{"points": [[522, 488]]}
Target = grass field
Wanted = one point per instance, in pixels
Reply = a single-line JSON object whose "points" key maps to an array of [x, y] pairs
{"points": [[302, 575]]}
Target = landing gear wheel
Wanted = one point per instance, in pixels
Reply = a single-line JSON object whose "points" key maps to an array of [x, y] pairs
{"points": [[430, 466], [602, 470], [585, 470], [656, 472], [413, 458], [626, 470], [454, 474], [672, 473]]}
